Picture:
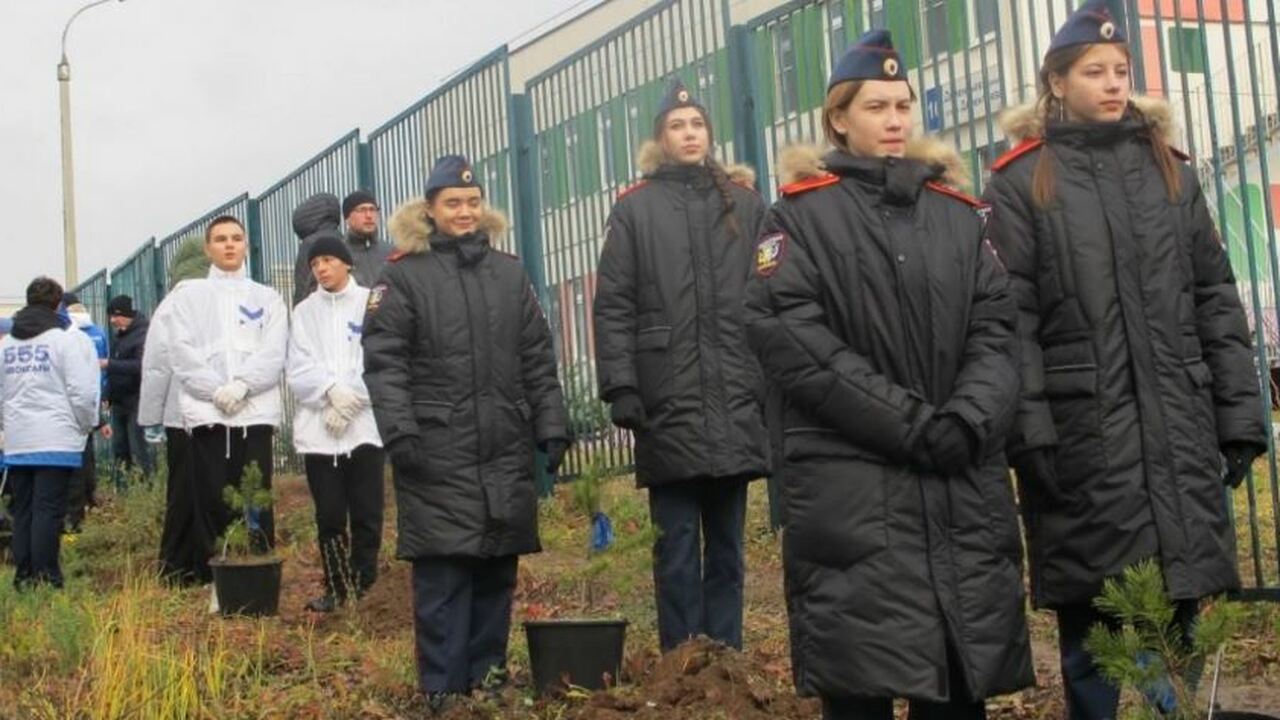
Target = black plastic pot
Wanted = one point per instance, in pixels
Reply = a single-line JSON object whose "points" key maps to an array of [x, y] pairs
{"points": [[583, 653], [247, 587]]}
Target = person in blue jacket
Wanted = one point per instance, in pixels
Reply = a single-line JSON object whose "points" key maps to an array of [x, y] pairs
{"points": [[82, 494]]}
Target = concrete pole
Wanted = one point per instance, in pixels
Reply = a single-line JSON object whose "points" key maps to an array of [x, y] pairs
{"points": [[68, 174]]}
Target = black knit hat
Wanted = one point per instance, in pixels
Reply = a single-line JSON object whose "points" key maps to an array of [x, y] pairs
{"points": [[355, 200], [331, 244], [121, 305]]}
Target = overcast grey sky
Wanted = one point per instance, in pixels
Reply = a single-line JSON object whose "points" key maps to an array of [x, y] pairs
{"points": [[178, 105]]}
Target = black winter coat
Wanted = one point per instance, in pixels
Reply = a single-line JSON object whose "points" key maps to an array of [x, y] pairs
{"points": [[124, 369], [875, 304], [668, 325], [458, 352], [1136, 362]]}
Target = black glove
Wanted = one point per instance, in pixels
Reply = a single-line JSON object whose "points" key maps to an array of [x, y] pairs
{"points": [[555, 450], [949, 443], [404, 453], [1038, 478], [1240, 457], [627, 411]]}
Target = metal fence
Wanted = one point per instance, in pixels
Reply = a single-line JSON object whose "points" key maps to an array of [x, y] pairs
{"points": [[167, 247], [138, 278], [590, 112], [555, 151], [469, 114]]}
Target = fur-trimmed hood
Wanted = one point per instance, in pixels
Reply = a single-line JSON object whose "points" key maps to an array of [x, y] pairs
{"points": [[1027, 121], [801, 162], [651, 157], [410, 227]]}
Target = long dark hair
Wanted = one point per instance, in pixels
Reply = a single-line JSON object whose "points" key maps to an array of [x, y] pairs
{"points": [[1043, 183], [718, 174]]}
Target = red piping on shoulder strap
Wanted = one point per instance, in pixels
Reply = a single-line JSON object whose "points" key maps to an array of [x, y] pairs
{"points": [[627, 191], [1180, 154], [396, 255], [808, 184], [949, 191], [1016, 152]]}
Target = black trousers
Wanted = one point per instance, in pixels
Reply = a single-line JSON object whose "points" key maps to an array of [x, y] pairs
{"points": [[83, 487], [960, 706], [348, 493], [39, 508], [181, 557], [461, 619], [698, 568], [219, 456], [128, 442]]}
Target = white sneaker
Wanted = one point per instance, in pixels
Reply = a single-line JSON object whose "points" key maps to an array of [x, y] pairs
{"points": [[213, 599]]}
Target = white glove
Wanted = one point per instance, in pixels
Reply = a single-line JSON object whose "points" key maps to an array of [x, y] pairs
{"points": [[344, 400], [231, 398], [334, 422]]}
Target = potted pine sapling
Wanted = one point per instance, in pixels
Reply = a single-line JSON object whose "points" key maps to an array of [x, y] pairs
{"points": [[581, 652], [246, 576], [1145, 649]]}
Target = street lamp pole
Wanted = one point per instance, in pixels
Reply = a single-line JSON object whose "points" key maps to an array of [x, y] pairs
{"points": [[68, 172]]}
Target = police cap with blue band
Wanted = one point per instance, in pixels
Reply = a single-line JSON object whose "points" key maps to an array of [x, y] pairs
{"points": [[1092, 23], [451, 171], [872, 57]]}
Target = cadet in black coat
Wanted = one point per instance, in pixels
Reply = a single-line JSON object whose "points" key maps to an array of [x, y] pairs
{"points": [[1136, 365], [673, 361], [885, 320], [462, 376]]}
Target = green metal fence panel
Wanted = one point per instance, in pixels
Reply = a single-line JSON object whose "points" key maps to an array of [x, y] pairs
{"points": [[469, 114], [167, 246], [333, 170], [136, 277], [590, 114]]}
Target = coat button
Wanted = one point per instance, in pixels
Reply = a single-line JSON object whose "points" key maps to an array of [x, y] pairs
{"points": [[902, 258], [1098, 167]]}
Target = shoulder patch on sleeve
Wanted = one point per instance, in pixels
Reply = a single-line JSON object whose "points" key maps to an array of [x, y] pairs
{"points": [[628, 190], [813, 183], [770, 252], [1016, 152], [376, 293]]}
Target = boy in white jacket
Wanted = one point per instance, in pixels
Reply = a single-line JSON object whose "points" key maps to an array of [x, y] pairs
{"points": [[333, 426], [227, 344], [50, 388]]}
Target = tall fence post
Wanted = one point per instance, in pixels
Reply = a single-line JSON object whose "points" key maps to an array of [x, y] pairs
{"points": [[528, 224], [257, 260], [364, 168], [745, 131]]}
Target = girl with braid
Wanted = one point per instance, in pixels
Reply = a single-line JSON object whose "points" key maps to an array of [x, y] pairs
{"points": [[673, 362]]}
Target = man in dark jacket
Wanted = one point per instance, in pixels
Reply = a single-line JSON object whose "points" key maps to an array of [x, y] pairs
{"points": [[315, 215], [462, 376], [320, 212], [124, 382], [673, 361]]}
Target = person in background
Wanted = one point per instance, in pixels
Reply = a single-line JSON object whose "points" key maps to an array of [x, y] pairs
{"points": [[317, 215], [83, 492], [50, 388], [124, 380], [333, 424], [182, 555]]}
